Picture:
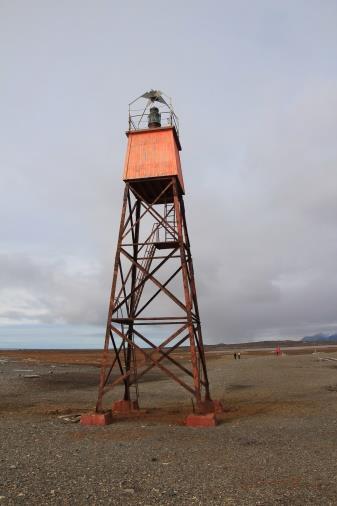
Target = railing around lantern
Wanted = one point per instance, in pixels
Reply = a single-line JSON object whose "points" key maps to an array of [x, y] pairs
{"points": [[138, 120]]}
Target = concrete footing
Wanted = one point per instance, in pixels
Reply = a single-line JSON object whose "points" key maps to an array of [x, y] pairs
{"points": [[97, 418], [194, 420]]}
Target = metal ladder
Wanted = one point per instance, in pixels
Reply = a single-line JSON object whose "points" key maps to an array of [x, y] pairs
{"points": [[146, 264], [171, 220]]}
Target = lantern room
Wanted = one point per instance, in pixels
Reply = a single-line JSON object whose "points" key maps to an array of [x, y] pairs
{"points": [[153, 148]]}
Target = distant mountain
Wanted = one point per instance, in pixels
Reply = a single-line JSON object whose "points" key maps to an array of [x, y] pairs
{"points": [[320, 338]]}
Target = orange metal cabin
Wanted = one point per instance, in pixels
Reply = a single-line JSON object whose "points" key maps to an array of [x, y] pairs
{"points": [[152, 156]]}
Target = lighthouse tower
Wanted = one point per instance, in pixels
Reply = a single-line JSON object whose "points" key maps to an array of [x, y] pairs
{"points": [[153, 310]]}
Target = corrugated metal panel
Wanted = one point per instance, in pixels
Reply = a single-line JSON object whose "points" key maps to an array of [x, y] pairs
{"points": [[152, 153]]}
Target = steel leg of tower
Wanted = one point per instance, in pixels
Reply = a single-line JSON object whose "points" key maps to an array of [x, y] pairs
{"points": [[125, 296]]}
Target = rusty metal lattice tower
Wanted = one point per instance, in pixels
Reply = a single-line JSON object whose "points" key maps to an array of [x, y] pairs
{"points": [[153, 306]]}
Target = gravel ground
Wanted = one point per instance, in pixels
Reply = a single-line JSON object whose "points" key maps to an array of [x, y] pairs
{"points": [[276, 443]]}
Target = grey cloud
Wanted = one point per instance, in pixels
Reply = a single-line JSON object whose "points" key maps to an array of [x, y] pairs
{"points": [[275, 250], [256, 95], [48, 292]]}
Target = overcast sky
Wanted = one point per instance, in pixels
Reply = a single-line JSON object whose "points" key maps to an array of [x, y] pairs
{"points": [[254, 83]]}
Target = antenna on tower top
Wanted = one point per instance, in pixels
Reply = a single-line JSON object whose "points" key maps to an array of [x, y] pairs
{"points": [[155, 96]]}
